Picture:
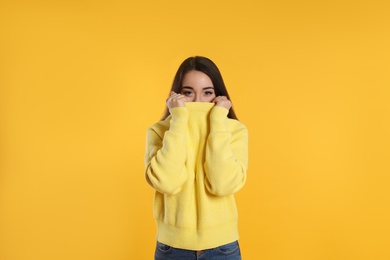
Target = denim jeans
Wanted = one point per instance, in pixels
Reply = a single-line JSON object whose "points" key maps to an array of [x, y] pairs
{"points": [[229, 251]]}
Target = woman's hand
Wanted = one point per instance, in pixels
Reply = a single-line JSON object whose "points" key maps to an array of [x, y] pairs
{"points": [[222, 101], [175, 100]]}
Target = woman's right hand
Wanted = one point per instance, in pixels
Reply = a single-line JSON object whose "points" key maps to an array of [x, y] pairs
{"points": [[175, 100]]}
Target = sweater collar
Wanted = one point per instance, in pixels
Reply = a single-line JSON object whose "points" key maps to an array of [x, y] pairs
{"points": [[199, 106]]}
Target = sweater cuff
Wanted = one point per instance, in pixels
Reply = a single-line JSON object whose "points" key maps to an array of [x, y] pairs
{"points": [[179, 118], [218, 119]]}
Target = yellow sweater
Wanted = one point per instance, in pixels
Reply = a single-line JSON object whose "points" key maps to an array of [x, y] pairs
{"points": [[196, 159]]}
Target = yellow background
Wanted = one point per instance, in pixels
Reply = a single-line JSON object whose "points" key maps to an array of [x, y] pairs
{"points": [[80, 81]]}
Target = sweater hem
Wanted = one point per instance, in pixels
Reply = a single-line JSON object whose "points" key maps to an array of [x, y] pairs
{"points": [[197, 239]]}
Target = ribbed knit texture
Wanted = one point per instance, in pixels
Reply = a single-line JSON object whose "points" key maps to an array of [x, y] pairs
{"points": [[196, 159]]}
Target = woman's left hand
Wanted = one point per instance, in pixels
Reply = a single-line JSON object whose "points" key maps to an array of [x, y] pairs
{"points": [[222, 101]]}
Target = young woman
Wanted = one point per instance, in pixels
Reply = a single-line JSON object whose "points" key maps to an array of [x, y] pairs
{"points": [[196, 159]]}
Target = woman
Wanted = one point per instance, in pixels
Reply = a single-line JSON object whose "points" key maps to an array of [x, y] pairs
{"points": [[196, 159]]}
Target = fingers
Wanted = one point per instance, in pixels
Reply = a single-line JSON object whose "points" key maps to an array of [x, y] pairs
{"points": [[223, 102], [175, 100], [219, 99]]}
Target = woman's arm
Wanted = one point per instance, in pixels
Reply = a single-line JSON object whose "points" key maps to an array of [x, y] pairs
{"points": [[226, 154], [165, 155]]}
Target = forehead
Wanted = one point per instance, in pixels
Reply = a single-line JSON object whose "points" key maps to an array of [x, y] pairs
{"points": [[195, 78]]}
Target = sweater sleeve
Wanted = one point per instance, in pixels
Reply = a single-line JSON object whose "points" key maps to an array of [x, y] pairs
{"points": [[166, 155], [226, 155]]}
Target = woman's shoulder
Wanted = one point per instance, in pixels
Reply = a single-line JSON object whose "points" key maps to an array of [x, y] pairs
{"points": [[234, 123], [237, 128], [161, 126]]}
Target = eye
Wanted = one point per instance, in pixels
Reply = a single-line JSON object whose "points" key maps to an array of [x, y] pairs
{"points": [[208, 93], [186, 93]]}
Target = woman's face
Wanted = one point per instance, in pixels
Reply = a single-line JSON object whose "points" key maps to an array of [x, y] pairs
{"points": [[197, 87]]}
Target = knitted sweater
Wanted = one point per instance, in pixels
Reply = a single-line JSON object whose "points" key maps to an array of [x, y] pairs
{"points": [[196, 159]]}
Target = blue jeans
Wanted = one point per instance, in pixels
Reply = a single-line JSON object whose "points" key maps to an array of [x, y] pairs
{"points": [[229, 251]]}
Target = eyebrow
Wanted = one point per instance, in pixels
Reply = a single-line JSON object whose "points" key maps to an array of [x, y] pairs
{"points": [[193, 88]]}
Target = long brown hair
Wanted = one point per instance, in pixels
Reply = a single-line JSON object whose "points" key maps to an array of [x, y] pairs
{"points": [[206, 66]]}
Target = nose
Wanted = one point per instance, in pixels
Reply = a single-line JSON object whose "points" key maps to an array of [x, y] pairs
{"points": [[198, 98]]}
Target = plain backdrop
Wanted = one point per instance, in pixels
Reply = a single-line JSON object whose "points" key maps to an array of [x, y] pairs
{"points": [[80, 82]]}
